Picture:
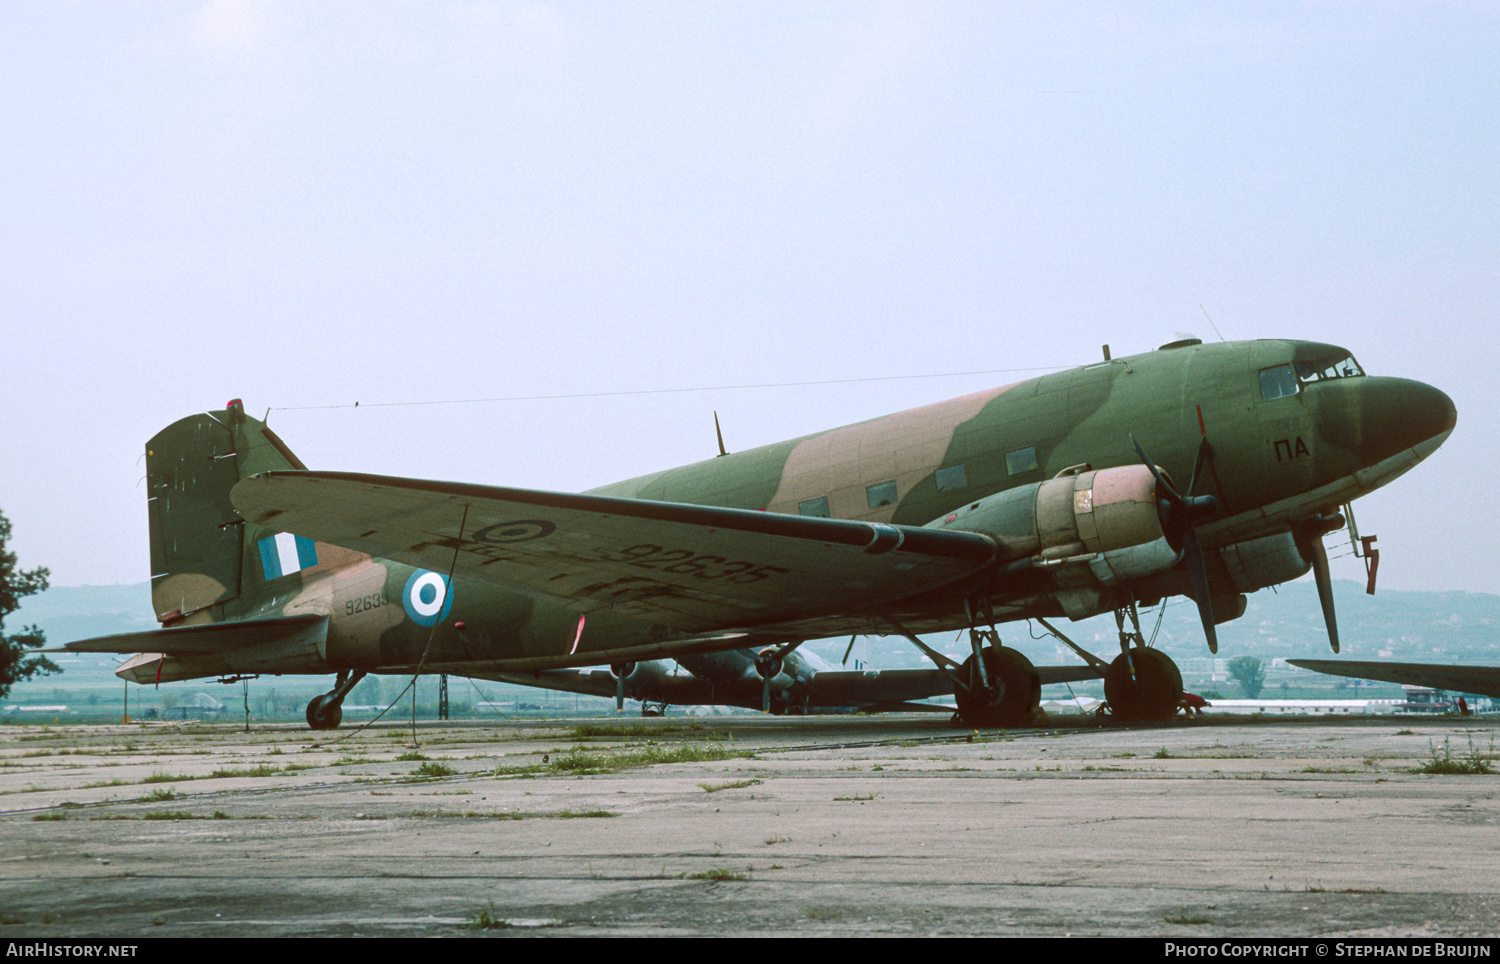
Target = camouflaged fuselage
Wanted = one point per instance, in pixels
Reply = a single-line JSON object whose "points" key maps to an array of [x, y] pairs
{"points": [[1277, 459]]}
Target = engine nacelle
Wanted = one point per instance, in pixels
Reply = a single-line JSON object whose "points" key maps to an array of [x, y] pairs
{"points": [[1106, 512], [1269, 561], [643, 675]]}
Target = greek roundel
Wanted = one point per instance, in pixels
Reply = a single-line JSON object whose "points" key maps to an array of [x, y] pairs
{"points": [[426, 597]]}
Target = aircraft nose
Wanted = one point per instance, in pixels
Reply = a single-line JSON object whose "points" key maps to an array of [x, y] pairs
{"points": [[1391, 415]]}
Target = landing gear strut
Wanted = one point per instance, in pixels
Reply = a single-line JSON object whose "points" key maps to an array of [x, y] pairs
{"points": [[1141, 683], [997, 685], [1005, 692], [326, 712]]}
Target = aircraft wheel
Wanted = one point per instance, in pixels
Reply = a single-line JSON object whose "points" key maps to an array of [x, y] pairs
{"points": [[325, 713], [1015, 690], [1154, 693]]}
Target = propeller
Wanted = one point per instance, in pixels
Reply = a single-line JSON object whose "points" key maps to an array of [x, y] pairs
{"points": [[1309, 534], [1178, 513], [768, 665]]}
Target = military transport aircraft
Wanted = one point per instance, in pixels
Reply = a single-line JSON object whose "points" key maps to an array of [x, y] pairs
{"points": [[1058, 496], [798, 682]]}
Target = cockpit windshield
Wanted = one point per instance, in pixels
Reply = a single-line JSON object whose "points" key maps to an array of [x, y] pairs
{"points": [[1339, 367], [1283, 380]]}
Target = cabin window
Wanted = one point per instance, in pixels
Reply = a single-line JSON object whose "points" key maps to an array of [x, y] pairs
{"points": [[881, 494], [1277, 382], [951, 478], [1021, 460], [814, 507]]}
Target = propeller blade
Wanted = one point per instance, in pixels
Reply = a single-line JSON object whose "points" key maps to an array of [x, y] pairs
{"points": [[1204, 451], [1192, 556], [1178, 513], [768, 665], [619, 694], [1161, 484], [1325, 589], [1309, 534]]}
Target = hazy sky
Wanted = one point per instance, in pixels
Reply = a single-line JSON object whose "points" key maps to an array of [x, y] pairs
{"points": [[313, 204]]}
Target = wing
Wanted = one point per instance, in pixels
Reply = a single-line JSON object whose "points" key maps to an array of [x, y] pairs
{"points": [[684, 690], [889, 689], [690, 567], [872, 687], [1483, 680]]}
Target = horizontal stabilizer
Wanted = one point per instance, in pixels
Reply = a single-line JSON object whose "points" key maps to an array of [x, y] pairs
{"points": [[1481, 680], [203, 640]]}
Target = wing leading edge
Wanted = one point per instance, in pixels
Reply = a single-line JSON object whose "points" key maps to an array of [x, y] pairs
{"points": [[1481, 680], [690, 567]]}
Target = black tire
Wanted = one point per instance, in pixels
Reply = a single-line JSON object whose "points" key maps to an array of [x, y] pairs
{"points": [[325, 713], [1153, 694], [1015, 690]]}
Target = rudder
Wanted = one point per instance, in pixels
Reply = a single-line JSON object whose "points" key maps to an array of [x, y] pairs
{"points": [[198, 541]]}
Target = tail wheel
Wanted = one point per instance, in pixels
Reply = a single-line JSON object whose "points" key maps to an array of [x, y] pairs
{"points": [[1014, 693], [1154, 692], [325, 713]]}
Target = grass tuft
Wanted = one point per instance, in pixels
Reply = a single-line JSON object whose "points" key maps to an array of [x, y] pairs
{"points": [[1443, 761], [733, 785], [488, 920]]}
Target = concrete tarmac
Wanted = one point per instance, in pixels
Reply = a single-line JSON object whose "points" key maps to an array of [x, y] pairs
{"points": [[750, 826]]}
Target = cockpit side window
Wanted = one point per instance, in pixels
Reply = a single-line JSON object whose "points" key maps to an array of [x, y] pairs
{"points": [[1277, 382]]}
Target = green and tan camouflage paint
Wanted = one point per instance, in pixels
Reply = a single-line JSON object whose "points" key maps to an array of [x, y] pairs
{"points": [[1274, 461]]}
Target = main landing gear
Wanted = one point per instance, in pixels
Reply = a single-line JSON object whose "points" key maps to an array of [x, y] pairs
{"points": [[997, 686], [1141, 683], [326, 712]]}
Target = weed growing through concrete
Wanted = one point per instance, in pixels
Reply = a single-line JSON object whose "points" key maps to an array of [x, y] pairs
{"points": [[160, 777], [259, 770], [487, 920], [1443, 761], [734, 785]]}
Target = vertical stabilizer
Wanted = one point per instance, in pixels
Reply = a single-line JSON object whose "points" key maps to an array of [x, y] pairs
{"points": [[201, 554]]}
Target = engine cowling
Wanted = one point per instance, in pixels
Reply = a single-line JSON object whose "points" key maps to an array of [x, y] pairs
{"points": [[1268, 561], [1106, 519], [1091, 530], [644, 677]]}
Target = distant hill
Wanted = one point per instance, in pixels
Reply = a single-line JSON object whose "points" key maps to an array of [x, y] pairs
{"points": [[66, 613]]}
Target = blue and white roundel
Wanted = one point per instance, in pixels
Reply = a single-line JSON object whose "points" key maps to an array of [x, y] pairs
{"points": [[426, 597]]}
